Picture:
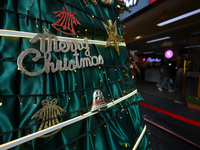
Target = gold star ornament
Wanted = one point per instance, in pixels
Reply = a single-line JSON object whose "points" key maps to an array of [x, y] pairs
{"points": [[113, 37]]}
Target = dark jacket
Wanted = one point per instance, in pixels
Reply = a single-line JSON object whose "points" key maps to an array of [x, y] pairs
{"points": [[173, 68], [166, 70]]}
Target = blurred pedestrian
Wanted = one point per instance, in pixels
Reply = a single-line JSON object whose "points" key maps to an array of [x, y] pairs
{"points": [[173, 72], [166, 77], [161, 70]]}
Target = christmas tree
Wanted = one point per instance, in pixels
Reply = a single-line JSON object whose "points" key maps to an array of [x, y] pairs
{"points": [[65, 78]]}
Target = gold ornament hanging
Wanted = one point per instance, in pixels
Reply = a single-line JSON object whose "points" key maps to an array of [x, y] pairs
{"points": [[87, 1], [50, 110], [113, 37], [94, 2], [107, 2]]}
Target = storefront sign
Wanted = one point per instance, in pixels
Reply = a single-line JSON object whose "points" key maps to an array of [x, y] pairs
{"points": [[130, 2], [153, 59], [144, 59], [139, 6], [58, 47], [165, 44]]}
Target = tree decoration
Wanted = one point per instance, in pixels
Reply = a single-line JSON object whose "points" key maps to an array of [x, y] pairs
{"points": [[94, 2], [50, 110], [107, 2], [63, 53], [87, 1], [98, 101], [31, 3], [113, 37], [122, 6], [59, 46], [66, 21], [1, 103], [1, 90]]}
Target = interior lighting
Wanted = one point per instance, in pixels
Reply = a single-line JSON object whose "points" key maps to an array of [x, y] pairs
{"points": [[159, 53], [179, 18], [134, 50], [192, 46], [195, 33], [160, 39], [148, 52], [138, 37], [144, 59], [169, 54], [12, 33]]}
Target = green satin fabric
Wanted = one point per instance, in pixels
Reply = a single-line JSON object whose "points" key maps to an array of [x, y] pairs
{"points": [[13, 115]]}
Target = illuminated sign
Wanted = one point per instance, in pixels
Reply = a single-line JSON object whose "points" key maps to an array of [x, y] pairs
{"points": [[153, 59], [144, 59], [169, 54], [130, 2]]}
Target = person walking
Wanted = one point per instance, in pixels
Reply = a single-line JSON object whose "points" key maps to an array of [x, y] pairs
{"points": [[173, 73], [166, 77], [161, 73]]}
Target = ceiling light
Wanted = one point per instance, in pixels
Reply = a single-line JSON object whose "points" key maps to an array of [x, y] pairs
{"points": [[179, 17], [160, 39], [195, 33], [159, 53], [144, 59], [138, 37], [192, 46], [148, 52], [134, 50]]}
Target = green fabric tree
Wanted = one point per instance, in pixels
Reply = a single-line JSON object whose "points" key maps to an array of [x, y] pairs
{"points": [[68, 92]]}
